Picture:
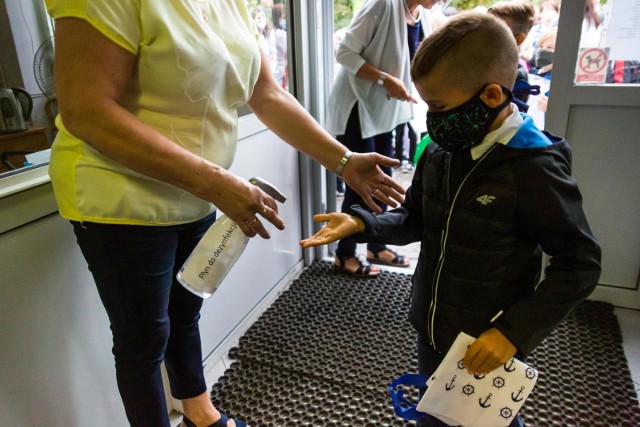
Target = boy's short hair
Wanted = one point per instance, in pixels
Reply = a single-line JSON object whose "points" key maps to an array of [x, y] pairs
{"points": [[471, 49], [518, 14]]}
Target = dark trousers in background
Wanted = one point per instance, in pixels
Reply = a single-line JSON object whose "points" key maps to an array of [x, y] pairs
{"points": [[353, 140], [413, 142], [428, 362], [153, 318]]}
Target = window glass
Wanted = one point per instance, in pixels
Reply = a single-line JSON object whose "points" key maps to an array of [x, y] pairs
{"points": [[271, 18], [27, 97], [609, 49]]}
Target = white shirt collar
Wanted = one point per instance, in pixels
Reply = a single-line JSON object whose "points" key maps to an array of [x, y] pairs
{"points": [[502, 135]]}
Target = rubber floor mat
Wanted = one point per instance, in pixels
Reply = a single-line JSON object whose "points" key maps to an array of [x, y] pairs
{"points": [[325, 351]]}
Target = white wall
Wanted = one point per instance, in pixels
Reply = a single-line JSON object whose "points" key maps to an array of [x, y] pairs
{"points": [[56, 365]]}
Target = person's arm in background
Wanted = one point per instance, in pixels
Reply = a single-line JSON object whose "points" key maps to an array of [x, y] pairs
{"points": [[526, 48], [349, 54], [282, 113]]}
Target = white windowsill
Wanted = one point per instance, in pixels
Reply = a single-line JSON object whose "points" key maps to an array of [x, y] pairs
{"points": [[23, 180]]}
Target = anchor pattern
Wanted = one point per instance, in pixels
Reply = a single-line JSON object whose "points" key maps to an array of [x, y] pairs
{"points": [[516, 396], [509, 366], [451, 385], [486, 400], [484, 403]]}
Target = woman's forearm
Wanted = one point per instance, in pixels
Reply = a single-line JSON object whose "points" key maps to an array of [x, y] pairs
{"points": [[282, 113], [125, 139]]}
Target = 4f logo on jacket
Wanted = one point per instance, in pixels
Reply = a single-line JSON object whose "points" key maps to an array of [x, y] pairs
{"points": [[486, 199]]}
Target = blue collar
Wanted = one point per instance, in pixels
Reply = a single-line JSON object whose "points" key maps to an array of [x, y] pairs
{"points": [[529, 136]]}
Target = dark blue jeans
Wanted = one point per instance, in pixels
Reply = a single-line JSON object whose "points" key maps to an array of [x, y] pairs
{"points": [[153, 318], [428, 362], [353, 140]]}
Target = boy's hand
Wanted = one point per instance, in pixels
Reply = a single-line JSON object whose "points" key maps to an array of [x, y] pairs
{"points": [[339, 226], [488, 352]]}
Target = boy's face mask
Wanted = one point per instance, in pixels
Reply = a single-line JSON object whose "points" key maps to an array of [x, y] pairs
{"points": [[465, 125]]}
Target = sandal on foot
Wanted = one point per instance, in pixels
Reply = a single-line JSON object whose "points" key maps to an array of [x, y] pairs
{"points": [[222, 422], [397, 261], [363, 270]]}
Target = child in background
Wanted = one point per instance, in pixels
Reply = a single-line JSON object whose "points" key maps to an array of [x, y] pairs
{"points": [[519, 16], [490, 194], [543, 55]]}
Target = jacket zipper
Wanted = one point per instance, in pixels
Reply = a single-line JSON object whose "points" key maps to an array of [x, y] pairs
{"points": [[443, 244]]}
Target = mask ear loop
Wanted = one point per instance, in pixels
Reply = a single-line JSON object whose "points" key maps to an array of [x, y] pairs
{"points": [[509, 97], [505, 91]]}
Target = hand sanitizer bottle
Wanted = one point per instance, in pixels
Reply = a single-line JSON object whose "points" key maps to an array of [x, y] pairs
{"points": [[218, 250]]}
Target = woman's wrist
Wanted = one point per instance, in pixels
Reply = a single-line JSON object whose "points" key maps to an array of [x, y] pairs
{"points": [[343, 163]]}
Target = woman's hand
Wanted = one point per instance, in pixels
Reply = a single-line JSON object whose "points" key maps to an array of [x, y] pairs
{"points": [[397, 90], [245, 204], [363, 174], [488, 352], [339, 226]]}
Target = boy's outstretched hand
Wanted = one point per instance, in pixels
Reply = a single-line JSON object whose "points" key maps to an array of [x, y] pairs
{"points": [[339, 226], [488, 352]]}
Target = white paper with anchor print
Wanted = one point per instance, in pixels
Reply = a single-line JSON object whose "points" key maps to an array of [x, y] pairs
{"points": [[492, 400]]}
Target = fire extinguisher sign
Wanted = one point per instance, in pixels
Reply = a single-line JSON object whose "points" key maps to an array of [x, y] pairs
{"points": [[592, 65]]}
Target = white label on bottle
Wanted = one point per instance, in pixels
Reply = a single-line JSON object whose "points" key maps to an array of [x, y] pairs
{"points": [[213, 257]]}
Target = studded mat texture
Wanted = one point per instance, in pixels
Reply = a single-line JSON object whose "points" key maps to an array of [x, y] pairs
{"points": [[325, 351]]}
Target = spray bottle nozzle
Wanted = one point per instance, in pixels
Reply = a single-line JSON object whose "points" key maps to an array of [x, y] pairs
{"points": [[268, 188]]}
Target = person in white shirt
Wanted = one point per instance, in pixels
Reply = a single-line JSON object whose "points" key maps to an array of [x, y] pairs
{"points": [[370, 97]]}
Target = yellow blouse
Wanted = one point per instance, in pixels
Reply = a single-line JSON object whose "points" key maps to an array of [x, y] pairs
{"points": [[197, 62]]}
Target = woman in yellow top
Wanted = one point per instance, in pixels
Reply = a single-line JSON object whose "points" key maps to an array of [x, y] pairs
{"points": [[148, 93]]}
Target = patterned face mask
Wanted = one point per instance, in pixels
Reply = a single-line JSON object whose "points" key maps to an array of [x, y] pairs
{"points": [[465, 125]]}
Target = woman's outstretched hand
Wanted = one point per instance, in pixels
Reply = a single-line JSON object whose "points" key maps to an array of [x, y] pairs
{"points": [[339, 226], [365, 177]]}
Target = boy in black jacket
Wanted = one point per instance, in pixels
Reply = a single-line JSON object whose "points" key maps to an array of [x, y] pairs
{"points": [[490, 194]]}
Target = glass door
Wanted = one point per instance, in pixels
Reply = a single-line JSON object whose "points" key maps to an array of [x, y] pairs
{"points": [[594, 101]]}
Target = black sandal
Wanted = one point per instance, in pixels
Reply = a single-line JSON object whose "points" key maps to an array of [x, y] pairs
{"points": [[397, 261], [222, 422], [363, 270]]}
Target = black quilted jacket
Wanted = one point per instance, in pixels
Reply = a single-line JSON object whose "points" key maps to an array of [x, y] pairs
{"points": [[482, 242]]}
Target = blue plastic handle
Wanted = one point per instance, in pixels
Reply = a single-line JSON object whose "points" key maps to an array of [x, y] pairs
{"points": [[404, 408]]}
